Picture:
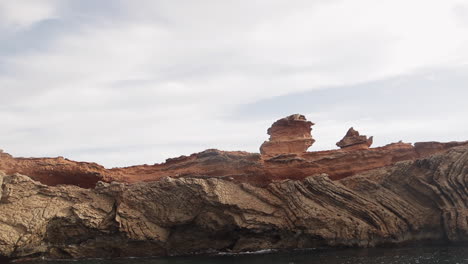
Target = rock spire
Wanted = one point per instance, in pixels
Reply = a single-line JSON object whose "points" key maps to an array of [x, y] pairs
{"points": [[288, 135]]}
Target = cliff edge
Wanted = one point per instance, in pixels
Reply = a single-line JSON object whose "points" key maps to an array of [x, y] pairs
{"points": [[413, 201], [283, 156], [217, 201]]}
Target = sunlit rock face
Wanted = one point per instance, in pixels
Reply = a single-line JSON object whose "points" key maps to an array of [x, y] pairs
{"points": [[352, 140], [288, 135]]}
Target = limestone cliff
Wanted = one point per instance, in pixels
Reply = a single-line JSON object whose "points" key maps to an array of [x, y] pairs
{"points": [[410, 201]]}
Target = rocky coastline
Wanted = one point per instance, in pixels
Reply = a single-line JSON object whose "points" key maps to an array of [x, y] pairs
{"points": [[217, 201]]}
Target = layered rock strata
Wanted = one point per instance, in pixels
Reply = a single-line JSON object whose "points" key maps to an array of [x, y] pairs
{"points": [[411, 201], [241, 166], [54, 171], [284, 156], [353, 140], [288, 135]]}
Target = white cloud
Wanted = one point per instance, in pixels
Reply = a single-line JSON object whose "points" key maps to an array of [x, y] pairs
{"points": [[23, 13]]}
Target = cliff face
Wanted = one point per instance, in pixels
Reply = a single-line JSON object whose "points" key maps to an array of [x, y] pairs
{"points": [[54, 171], [410, 201], [252, 168], [284, 156], [215, 200]]}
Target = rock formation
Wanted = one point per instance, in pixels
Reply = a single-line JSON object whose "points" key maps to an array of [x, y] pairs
{"points": [[237, 201], [253, 168], [53, 171], [288, 135], [352, 140], [413, 201]]}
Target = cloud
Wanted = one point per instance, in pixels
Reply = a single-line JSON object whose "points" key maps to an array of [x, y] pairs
{"points": [[156, 79], [461, 12], [20, 14], [423, 105]]}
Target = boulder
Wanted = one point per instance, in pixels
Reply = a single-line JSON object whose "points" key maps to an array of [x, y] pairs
{"points": [[352, 140]]}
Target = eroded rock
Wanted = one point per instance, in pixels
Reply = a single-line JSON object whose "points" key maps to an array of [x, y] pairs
{"points": [[287, 159], [288, 135], [422, 200], [352, 140]]}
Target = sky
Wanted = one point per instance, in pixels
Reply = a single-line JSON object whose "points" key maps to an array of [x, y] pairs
{"points": [[124, 82]]}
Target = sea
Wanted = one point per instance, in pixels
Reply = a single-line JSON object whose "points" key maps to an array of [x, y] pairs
{"points": [[416, 255]]}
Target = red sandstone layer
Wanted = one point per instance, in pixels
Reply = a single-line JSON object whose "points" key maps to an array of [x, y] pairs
{"points": [[283, 157], [241, 166]]}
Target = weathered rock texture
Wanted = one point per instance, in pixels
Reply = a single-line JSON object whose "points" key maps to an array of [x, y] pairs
{"points": [[237, 201], [411, 201], [352, 140], [288, 135], [53, 171], [284, 156], [247, 167]]}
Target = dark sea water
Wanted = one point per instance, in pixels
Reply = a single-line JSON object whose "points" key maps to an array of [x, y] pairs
{"points": [[420, 255]]}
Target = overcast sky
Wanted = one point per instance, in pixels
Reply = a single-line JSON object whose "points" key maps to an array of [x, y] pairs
{"points": [[124, 82]]}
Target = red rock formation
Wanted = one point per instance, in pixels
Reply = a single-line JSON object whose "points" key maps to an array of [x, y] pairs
{"points": [[54, 171], [288, 135], [240, 166], [253, 168], [352, 140]]}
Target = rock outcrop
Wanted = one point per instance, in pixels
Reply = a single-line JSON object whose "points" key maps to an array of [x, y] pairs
{"points": [[288, 135], [246, 167], [411, 201], [54, 171], [219, 201], [352, 140], [284, 157]]}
